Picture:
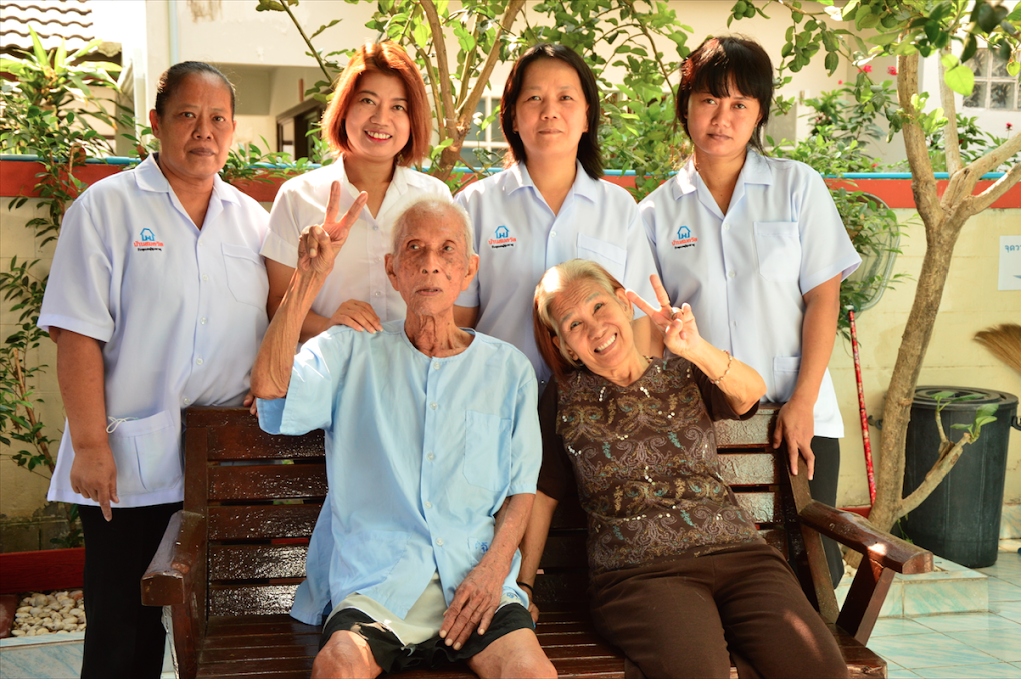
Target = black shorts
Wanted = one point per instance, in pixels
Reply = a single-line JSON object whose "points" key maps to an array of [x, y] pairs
{"points": [[393, 656]]}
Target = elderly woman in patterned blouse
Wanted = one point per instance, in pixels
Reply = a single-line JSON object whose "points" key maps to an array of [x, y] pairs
{"points": [[681, 580]]}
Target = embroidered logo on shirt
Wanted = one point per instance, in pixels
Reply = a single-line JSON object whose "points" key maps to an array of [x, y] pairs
{"points": [[503, 238], [148, 242], [684, 239]]}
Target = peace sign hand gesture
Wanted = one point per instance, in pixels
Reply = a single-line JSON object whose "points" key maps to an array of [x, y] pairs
{"points": [[677, 326], [319, 243]]}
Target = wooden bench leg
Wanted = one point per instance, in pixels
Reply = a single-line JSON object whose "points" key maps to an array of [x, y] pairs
{"points": [[865, 599]]}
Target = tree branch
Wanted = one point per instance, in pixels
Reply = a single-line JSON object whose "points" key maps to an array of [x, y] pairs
{"points": [[951, 142], [1002, 185], [923, 182], [939, 427], [996, 157], [308, 42], [436, 28], [935, 476], [471, 103]]}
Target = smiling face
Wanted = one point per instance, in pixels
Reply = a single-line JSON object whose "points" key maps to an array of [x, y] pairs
{"points": [[721, 127], [551, 113], [377, 123], [431, 264], [195, 130], [594, 326]]}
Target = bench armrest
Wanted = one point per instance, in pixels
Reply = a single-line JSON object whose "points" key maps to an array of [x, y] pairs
{"points": [[170, 575], [859, 534]]}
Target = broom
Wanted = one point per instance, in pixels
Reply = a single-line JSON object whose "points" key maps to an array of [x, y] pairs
{"points": [[1004, 342]]}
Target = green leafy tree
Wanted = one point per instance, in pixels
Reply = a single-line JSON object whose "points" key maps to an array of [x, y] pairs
{"points": [[618, 33], [952, 30]]}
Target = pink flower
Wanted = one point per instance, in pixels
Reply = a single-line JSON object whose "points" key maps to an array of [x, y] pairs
{"points": [[867, 68], [892, 70], [840, 82], [1010, 126]]}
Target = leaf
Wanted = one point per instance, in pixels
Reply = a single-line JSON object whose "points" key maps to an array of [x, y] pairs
{"points": [[883, 38], [949, 60], [270, 6], [323, 28], [961, 79], [970, 47], [1013, 68], [832, 62]]}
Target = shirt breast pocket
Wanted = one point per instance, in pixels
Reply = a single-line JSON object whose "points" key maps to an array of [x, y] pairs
{"points": [[147, 453], [486, 450], [611, 257], [246, 275], [779, 249]]}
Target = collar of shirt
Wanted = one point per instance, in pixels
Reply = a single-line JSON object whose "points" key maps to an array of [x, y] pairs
{"points": [[150, 177], [755, 171], [584, 185]]}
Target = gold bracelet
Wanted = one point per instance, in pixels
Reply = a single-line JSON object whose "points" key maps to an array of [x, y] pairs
{"points": [[730, 359]]}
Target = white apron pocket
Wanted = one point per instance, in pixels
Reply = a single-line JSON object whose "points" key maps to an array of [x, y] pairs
{"points": [[147, 453]]}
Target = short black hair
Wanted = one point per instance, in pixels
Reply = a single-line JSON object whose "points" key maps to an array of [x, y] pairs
{"points": [[588, 146], [172, 78], [717, 63]]}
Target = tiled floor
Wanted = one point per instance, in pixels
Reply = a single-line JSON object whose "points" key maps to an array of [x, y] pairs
{"points": [[961, 645]]}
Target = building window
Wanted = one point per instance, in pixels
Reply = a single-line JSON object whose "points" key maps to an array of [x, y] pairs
{"points": [[995, 89], [485, 147]]}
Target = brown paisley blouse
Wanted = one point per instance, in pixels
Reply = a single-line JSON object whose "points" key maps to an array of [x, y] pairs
{"points": [[644, 458]]}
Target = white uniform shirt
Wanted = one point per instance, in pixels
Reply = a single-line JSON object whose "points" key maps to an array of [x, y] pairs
{"points": [[518, 238], [745, 274], [181, 313], [359, 272]]}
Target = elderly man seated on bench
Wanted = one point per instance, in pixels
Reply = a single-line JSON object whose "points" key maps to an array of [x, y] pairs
{"points": [[432, 456]]}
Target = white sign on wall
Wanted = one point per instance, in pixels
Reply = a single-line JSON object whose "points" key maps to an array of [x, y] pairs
{"points": [[1010, 263]]}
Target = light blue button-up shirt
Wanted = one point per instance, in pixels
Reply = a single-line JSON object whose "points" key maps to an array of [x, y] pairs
{"points": [[745, 273], [421, 453], [518, 237]]}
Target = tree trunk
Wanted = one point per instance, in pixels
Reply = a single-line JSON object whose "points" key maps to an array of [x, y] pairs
{"points": [[940, 240]]}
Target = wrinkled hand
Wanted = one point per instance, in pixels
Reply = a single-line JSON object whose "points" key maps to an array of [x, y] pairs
{"points": [[358, 315], [94, 476], [474, 605], [319, 243], [678, 327], [795, 424]]}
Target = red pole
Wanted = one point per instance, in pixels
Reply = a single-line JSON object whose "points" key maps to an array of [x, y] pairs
{"points": [[861, 410]]}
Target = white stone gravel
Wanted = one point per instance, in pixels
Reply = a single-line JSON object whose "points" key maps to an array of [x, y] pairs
{"points": [[56, 613]]}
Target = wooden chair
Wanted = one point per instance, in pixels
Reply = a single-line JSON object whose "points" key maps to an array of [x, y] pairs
{"points": [[231, 560]]}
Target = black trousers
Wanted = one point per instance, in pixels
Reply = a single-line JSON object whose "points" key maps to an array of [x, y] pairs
{"points": [[123, 638], [824, 489]]}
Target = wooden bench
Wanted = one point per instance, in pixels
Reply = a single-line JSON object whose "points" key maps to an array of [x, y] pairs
{"points": [[230, 562]]}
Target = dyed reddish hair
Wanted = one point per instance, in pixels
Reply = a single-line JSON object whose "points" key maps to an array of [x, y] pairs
{"points": [[387, 58]]}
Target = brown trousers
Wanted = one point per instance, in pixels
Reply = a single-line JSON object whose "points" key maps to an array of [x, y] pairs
{"points": [[687, 617]]}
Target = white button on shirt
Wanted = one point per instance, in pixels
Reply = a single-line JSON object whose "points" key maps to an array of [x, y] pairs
{"points": [[781, 237], [359, 272], [126, 272], [517, 238]]}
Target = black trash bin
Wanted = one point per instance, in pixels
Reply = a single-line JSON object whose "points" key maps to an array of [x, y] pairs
{"points": [[960, 520]]}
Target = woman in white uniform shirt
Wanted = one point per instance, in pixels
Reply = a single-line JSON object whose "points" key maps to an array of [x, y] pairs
{"points": [[378, 125], [157, 301], [755, 245], [549, 205]]}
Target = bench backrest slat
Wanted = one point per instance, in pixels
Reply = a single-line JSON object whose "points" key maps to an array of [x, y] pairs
{"points": [[262, 522], [261, 512]]}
